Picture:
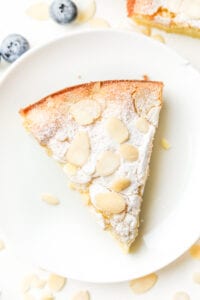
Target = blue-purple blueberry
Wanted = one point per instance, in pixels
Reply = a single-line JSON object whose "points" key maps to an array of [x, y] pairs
{"points": [[63, 11], [13, 46]]}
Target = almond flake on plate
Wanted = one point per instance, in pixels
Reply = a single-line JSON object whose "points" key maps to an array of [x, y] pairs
{"points": [[27, 282], [143, 284], [38, 283], [2, 245], [195, 251], [165, 144], [50, 199], [99, 23], [56, 282], [82, 295], [196, 277], [47, 296], [181, 296], [87, 13]]}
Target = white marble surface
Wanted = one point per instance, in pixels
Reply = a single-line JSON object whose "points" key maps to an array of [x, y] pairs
{"points": [[173, 278]]}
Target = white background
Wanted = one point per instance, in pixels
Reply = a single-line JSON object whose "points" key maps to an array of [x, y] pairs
{"points": [[177, 276]]}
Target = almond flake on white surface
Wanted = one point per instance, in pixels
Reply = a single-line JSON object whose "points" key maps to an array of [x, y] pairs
{"points": [[38, 11], [82, 295], [99, 23], [181, 296], [165, 144], [50, 199], [86, 13], [2, 245], [56, 282], [143, 284], [196, 277], [195, 251], [47, 296], [38, 283], [27, 282]]}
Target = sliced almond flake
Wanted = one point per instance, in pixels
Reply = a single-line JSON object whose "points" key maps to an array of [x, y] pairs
{"points": [[159, 38], [120, 184], [142, 125], [181, 296], [82, 295], [87, 13], [99, 23], [117, 130], [38, 11], [195, 251], [107, 164], [50, 199], [79, 150], [47, 296], [38, 283], [26, 283], [56, 282], [110, 203], [143, 284], [129, 152], [85, 112], [196, 277], [2, 245], [165, 144]]}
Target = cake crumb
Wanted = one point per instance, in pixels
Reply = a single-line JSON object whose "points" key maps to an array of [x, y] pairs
{"points": [[165, 144], [146, 31], [159, 38], [145, 77]]}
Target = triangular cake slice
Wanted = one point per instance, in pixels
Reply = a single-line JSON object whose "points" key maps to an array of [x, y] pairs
{"points": [[176, 16], [102, 133]]}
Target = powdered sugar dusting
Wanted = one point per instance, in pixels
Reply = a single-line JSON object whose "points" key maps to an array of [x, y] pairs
{"points": [[57, 133]]}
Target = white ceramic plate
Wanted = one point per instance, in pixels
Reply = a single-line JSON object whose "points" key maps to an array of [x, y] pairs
{"points": [[66, 239]]}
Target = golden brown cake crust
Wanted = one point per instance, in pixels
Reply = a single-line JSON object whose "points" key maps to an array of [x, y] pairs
{"points": [[150, 13], [86, 89]]}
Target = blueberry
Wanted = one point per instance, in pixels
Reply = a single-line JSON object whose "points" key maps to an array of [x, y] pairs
{"points": [[63, 11], [13, 46]]}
